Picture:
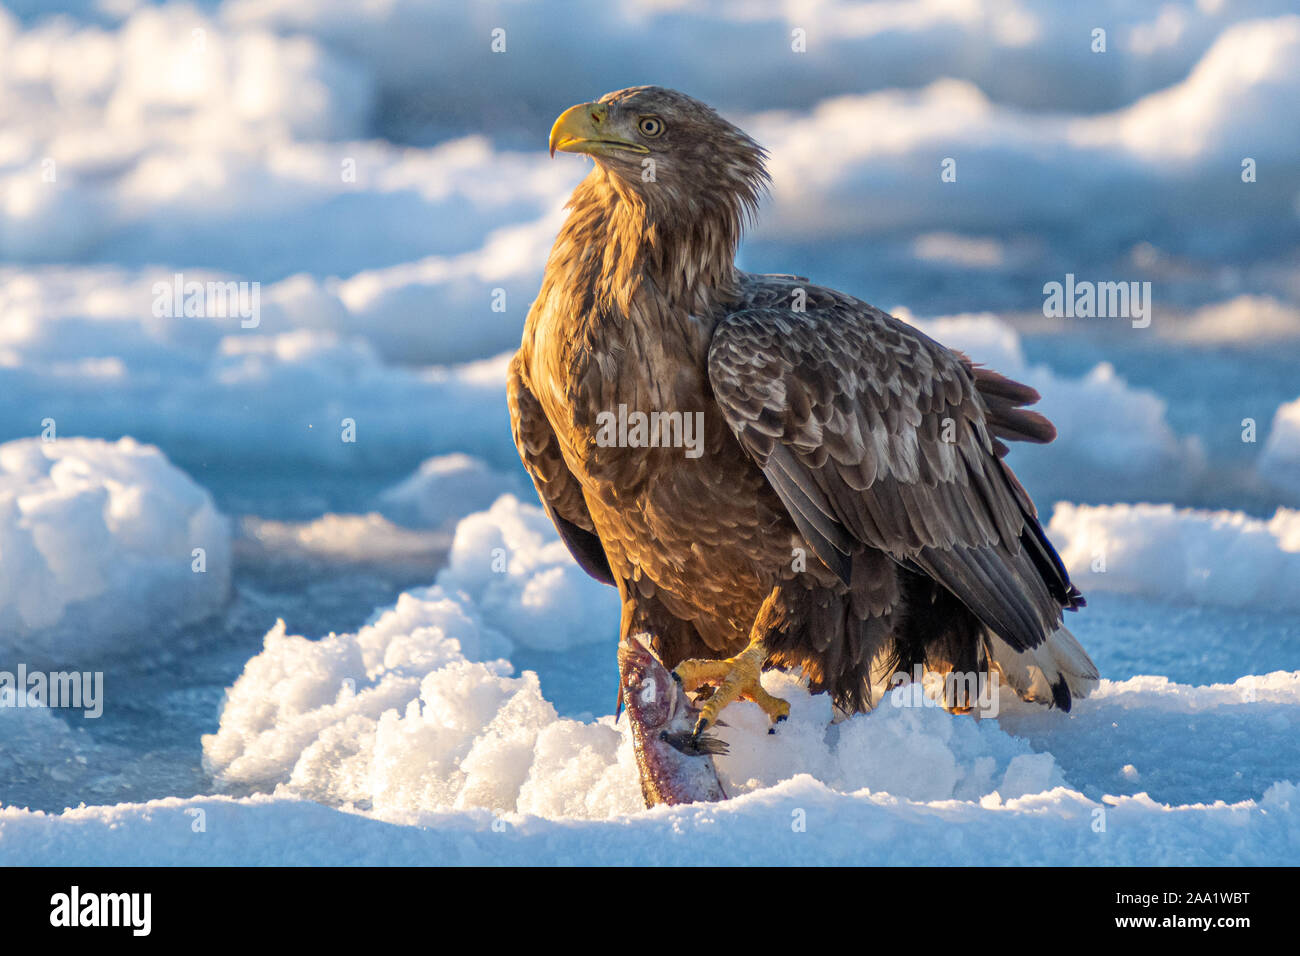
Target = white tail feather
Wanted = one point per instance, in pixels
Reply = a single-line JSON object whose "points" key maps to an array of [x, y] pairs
{"points": [[1033, 674]]}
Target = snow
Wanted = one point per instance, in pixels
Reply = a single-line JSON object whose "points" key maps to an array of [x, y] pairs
{"points": [[1223, 101], [511, 564], [354, 765], [439, 685], [1222, 557], [360, 718], [418, 715], [1058, 827], [492, 284], [391, 746], [869, 163], [35, 745], [851, 46], [1241, 318], [292, 182], [97, 545], [445, 489], [113, 132], [1279, 462], [259, 398], [346, 538], [206, 385]]}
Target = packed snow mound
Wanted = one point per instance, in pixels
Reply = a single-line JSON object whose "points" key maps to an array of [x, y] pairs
{"points": [[1181, 555], [98, 545], [512, 565], [395, 722], [509, 582], [445, 489], [1279, 463], [418, 713], [397, 719]]}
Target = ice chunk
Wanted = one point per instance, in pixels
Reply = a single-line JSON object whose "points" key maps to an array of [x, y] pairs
{"points": [[105, 547]]}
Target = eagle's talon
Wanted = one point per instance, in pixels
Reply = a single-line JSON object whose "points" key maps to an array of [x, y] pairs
{"points": [[732, 679]]}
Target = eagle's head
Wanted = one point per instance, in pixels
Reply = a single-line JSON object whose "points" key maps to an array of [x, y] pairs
{"points": [[668, 150]]}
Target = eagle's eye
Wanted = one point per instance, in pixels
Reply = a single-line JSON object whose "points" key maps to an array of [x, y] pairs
{"points": [[650, 126]]}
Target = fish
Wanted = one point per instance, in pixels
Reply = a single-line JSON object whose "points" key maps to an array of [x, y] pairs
{"points": [[675, 763]]}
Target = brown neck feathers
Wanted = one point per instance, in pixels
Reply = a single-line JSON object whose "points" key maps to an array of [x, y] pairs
{"points": [[625, 241]]}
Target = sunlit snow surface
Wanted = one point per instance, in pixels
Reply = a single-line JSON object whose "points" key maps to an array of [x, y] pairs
{"points": [[417, 719], [388, 656]]}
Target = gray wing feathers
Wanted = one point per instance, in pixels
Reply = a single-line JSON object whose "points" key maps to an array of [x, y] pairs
{"points": [[874, 435]]}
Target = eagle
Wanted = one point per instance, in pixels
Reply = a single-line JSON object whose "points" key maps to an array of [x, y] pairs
{"points": [[771, 473]]}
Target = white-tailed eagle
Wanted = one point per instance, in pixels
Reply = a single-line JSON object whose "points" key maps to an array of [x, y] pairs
{"points": [[796, 479]]}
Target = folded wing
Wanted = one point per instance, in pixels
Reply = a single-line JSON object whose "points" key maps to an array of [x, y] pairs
{"points": [[876, 436]]}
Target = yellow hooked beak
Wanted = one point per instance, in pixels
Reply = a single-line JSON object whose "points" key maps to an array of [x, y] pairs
{"points": [[584, 129]]}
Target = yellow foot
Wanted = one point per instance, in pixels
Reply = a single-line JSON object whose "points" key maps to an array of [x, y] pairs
{"points": [[735, 678]]}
